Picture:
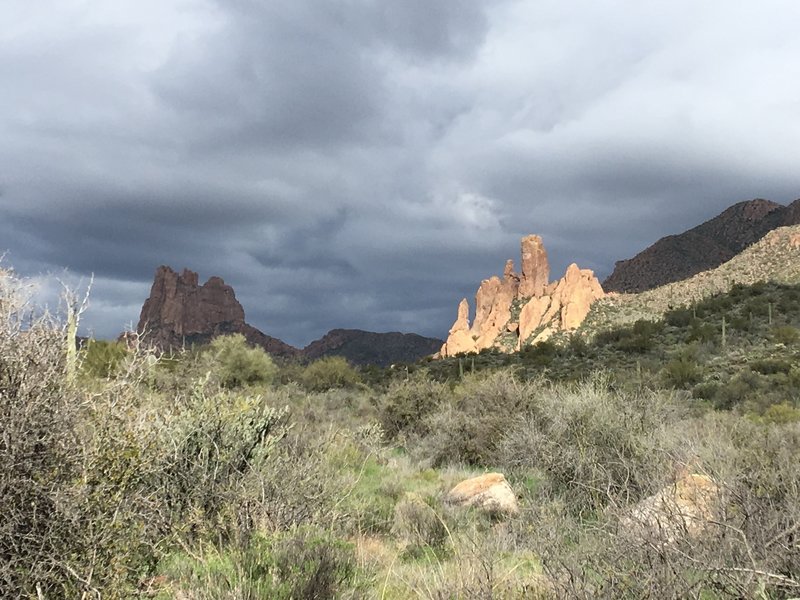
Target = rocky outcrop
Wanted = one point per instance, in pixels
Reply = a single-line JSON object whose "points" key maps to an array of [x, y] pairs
{"points": [[677, 257], [563, 307], [525, 308], [179, 313], [369, 348], [489, 493]]}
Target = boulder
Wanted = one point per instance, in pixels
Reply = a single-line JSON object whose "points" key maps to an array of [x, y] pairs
{"points": [[490, 493], [686, 508]]}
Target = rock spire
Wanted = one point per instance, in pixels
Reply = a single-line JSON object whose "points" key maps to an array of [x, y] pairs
{"points": [[521, 309]]}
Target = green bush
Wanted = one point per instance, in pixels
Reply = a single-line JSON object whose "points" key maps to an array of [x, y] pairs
{"points": [[233, 363], [405, 406], [679, 317], [683, 370], [540, 354], [786, 334], [102, 359], [329, 373], [770, 366], [781, 414], [215, 443], [469, 428], [735, 391]]}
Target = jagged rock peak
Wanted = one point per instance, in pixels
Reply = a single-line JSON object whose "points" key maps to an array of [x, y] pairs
{"points": [[525, 308]]}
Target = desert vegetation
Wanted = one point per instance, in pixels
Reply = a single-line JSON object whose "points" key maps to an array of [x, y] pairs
{"points": [[220, 473]]}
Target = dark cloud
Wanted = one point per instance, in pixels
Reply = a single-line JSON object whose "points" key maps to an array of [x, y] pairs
{"points": [[366, 163]]}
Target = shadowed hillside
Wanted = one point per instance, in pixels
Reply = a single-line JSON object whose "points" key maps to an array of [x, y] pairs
{"points": [[704, 247]]}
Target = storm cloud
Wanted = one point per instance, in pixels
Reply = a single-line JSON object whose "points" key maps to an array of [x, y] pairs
{"points": [[364, 163]]}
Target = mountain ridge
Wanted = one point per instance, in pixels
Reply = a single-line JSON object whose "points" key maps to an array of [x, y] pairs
{"points": [[703, 247], [179, 312]]}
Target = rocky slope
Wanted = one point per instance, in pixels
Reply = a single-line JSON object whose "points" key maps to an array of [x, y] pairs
{"points": [[179, 313], [524, 308], [704, 247], [774, 258]]}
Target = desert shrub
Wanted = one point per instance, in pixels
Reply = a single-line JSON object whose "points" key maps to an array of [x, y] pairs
{"points": [[406, 404], [700, 331], [735, 391], [468, 428], [216, 441], [328, 373], [785, 334], [38, 450], [419, 527], [683, 369], [781, 414], [233, 363], [747, 550], [540, 354], [302, 563], [592, 446], [679, 317], [102, 358], [770, 366], [578, 345]]}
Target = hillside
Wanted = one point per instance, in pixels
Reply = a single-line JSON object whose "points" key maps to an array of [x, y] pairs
{"points": [[704, 247], [775, 258], [367, 347]]}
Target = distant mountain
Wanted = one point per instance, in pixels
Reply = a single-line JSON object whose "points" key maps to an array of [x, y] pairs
{"points": [[704, 247], [180, 313], [366, 347]]}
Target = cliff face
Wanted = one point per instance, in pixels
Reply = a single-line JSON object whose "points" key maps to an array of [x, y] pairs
{"points": [[525, 308], [180, 312], [704, 247]]}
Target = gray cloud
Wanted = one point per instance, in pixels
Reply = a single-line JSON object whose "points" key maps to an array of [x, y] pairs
{"points": [[366, 163]]}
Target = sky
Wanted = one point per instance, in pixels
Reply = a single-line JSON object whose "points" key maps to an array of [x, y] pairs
{"points": [[366, 163]]}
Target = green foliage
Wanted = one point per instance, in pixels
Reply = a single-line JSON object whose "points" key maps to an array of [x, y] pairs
{"points": [[302, 563], [419, 527], [785, 334], [217, 441], [328, 373], [469, 428], [592, 446], [102, 359], [683, 370], [233, 363], [406, 404], [540, 354], [770, 366], [781, 414]]}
